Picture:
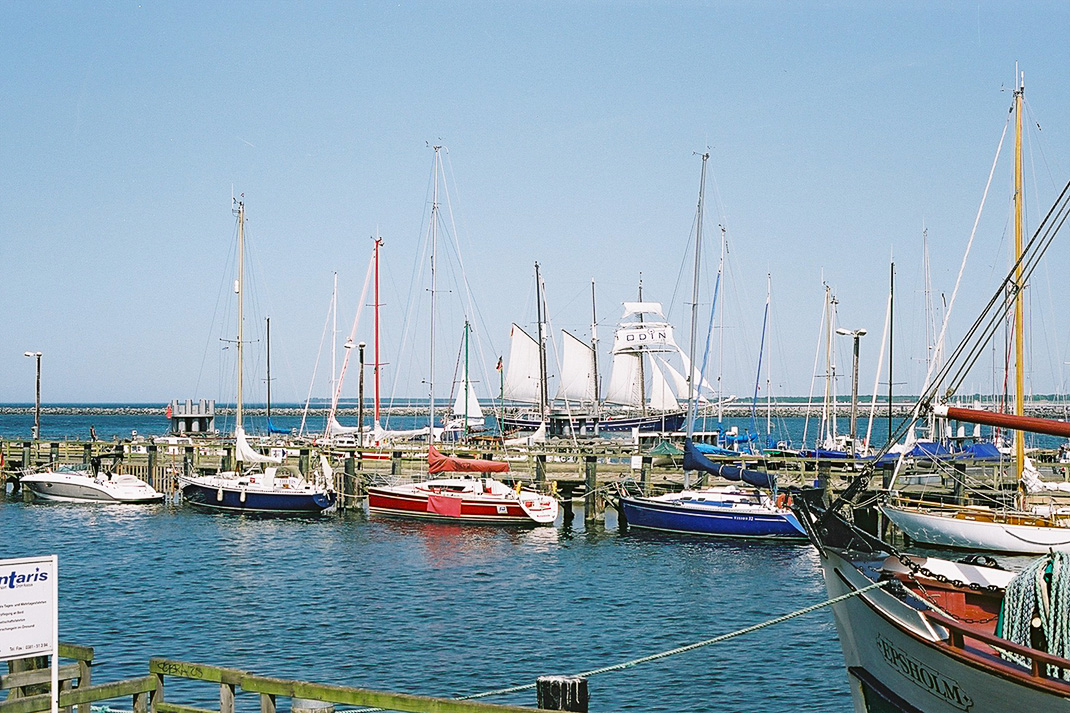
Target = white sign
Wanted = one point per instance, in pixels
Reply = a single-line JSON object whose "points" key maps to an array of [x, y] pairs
{"points": [[29, 607]]}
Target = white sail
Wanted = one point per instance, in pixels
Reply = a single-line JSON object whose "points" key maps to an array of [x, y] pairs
{"points": [[246, 454], [466, 405], [644, 336], [624, 387], [638, 308], [577, 371], [680, 382], [661, 395], [703, 384], [522, 376]]}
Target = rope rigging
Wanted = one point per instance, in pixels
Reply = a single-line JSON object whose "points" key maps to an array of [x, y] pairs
{"points": [[1036, 609]]}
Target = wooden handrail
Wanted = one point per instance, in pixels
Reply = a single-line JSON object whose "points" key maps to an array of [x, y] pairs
{"points": [[269, 687], [1040, 660], [77, 696]]}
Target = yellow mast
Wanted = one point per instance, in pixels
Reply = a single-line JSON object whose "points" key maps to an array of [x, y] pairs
{"points": [[1019, 349]]}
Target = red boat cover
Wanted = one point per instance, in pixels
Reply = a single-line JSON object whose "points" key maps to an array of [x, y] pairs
{"points": [[438, 463]]}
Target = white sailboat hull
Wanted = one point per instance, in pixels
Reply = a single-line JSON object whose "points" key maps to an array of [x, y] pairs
{"points": [[945, 530], [897, 660]]}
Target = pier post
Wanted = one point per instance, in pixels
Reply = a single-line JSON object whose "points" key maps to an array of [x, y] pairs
{"points": [[224, 462], [26, 457], [540, 468], [824, 474], [302, 461], [53, 452], [566, 504], [150, 475], [187, 460], [87, 452], [644, 473], [395, 463], [349, 482], [562, 693], [960, 481], [590, 496]]}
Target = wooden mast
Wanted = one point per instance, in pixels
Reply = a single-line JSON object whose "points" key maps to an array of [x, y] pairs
{"points": [[1019, 347]]}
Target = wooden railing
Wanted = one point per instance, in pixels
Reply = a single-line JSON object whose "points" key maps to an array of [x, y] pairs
{"points": [[75, 686], [230, 680], [958, 634]]}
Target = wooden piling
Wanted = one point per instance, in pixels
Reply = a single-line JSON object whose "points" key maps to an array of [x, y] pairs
{"points": [[349, 483], [562, 693], [540, 468], [590, 496]]}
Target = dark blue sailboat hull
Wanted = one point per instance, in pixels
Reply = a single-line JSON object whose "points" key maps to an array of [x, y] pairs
{"points": [[258, 502], [649, 514]]}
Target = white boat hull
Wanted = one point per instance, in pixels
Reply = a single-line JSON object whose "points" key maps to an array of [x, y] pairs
{"points": [[82, 487], [944, 531], [896, 660]]}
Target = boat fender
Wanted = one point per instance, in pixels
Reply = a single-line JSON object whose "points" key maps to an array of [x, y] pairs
{"points": [[781, 500], [219, 494], [242, 496]]}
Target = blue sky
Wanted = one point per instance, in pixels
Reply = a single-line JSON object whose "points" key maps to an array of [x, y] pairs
{"points": [[838, 131]]}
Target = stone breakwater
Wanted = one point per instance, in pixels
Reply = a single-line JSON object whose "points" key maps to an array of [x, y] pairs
{"points": [[1042, 409]]}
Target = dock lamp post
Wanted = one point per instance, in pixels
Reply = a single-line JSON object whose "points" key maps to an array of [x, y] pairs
{"points": [[37, 401], [857, 334]]}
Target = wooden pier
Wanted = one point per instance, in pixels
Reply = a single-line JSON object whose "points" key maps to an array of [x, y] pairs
{"points": [[146, 693]]}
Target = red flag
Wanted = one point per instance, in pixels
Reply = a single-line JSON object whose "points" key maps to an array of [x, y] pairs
{"points": [[499, 367]]}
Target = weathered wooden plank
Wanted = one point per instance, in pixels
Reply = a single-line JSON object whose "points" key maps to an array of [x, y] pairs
{"points": [[41, 675], [99, 692], [74, 651], [196, 671], [163, 707], [345, 695]]}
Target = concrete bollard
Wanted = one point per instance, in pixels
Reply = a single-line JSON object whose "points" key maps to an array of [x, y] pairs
{"points": [[562, 693]]}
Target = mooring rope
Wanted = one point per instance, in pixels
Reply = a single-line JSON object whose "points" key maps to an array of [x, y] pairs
{"points": [[670, 652]]}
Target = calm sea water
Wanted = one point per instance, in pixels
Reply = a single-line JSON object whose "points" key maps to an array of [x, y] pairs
{"points": [[437, 609], [429, 608]]}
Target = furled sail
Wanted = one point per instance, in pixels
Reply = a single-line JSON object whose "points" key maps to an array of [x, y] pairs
{"points": [[522, 377], [336, 429], [694, 460], [624, 386], [577, 370], [439, 463], [246, 454]]}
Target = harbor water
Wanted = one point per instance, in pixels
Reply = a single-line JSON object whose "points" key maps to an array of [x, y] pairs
{"points": [[429, 608], [437, 609]]}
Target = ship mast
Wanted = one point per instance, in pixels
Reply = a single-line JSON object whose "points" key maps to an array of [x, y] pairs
{"points": [[238, 288], [434, 239], [692, 386], [1019, 348]]}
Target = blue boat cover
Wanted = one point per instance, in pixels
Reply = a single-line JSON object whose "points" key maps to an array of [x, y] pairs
{"points": [[273, 429], [695, 460], [982, 451]]}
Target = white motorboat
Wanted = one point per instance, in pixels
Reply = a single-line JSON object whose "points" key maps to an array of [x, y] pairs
{"points": [[72, 485]]}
